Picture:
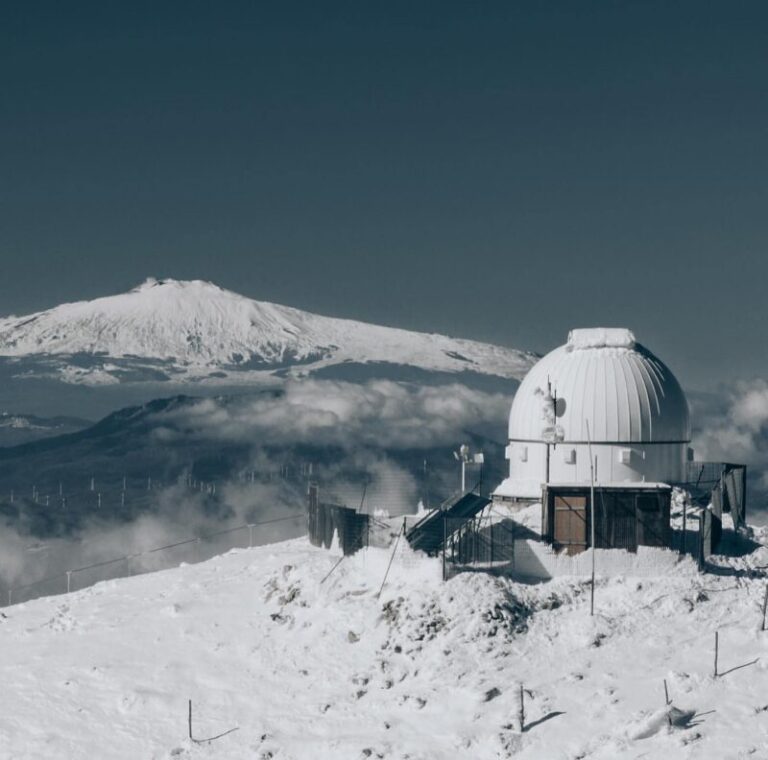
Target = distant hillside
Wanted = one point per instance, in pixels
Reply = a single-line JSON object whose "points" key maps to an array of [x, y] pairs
{"points": [[23, 428], [57, 485]]}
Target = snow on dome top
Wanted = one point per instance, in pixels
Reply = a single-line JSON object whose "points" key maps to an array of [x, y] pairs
{"points": [[601, 337]]}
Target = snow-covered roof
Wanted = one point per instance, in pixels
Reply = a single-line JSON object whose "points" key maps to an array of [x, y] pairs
{"points": [[604, 378], [601, 337]]}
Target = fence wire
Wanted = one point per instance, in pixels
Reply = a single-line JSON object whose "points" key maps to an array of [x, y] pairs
{"points": [[64, 580]]}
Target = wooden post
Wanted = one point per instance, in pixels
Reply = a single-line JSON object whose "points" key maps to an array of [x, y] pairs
{"points": [[717, 645], [667, 700], [521, 707], [190, 719], [765, 606]]}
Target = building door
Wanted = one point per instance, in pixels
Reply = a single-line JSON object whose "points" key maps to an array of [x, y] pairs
{"points": [[570, 523]]}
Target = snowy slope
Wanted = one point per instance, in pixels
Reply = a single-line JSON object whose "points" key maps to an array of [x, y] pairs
{"points": [[191, 330], [305, 669]]}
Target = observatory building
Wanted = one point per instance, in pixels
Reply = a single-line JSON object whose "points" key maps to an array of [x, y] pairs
{"points": [[605, 392], [604, 386]]}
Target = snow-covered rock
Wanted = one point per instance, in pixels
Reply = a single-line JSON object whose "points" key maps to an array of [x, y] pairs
{"points": [[170, 329]]}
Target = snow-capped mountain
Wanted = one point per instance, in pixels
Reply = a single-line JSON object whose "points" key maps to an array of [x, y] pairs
{"points": [[194, 330]]}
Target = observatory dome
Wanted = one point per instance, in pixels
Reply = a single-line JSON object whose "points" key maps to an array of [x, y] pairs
{"points": [[604, 386], [605, 379]]}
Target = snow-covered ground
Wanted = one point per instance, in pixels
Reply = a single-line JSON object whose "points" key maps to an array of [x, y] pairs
{"points": [[171, 329], [306, 669]]}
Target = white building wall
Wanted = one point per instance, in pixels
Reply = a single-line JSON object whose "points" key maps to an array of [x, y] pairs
{"points": [[569, 463]]}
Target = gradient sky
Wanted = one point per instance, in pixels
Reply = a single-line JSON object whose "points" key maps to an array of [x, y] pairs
{"points": [[502, 171]]}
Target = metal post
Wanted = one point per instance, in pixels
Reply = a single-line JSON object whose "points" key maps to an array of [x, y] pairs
{"points": [[445, 539], [69, 580], [717, 646], [765, 606], [592, 465]]}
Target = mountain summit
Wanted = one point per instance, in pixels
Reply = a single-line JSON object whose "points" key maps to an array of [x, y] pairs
{"points": [[195, 330]]}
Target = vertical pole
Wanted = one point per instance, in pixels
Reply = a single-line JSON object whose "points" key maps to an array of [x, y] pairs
{"points": [[765, 606], [190, 719], [10, 596], [69, 581], [463, 475], [667, 700], [445, 539], [592, 465], [521, 708], [491, 529], [717, 646], [685, 521]]}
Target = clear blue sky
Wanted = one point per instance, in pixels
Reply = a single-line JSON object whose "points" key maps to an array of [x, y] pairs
{"points": [[503, 171]]}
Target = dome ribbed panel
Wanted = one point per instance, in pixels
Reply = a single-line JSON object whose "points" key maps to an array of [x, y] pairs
{"points": [[627, 394]]}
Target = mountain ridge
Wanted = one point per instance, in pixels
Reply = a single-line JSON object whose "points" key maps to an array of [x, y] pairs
{"points": [[196, 331]]}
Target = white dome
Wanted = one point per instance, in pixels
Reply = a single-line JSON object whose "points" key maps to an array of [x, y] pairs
{"points": [[602, 376]]}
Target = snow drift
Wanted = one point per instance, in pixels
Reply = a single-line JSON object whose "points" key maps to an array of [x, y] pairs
{"points": [[311, 669]]}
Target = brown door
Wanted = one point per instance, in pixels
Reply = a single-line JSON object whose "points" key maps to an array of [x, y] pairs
{"points": [[570, 523]]}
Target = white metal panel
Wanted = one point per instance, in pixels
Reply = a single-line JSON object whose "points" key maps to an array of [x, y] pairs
{"points": [[627, 395]]}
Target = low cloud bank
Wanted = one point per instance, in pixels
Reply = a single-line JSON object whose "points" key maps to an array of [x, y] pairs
{"points": [[374, 428], [378, 414], [733, 427]]}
